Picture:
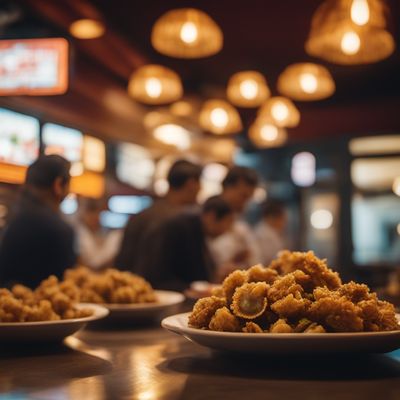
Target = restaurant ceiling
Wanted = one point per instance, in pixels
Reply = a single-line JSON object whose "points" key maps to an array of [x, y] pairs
{"points": [[258, 35]]}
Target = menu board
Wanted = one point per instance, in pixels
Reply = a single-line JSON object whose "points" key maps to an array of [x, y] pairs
{"points": [[33, 67], [66, 142], [19, 138]]}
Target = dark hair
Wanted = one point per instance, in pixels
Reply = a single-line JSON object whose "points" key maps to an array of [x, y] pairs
{"points": [[218, 206], [46, 169], [273, 208], [181, 171], [237, 174]]}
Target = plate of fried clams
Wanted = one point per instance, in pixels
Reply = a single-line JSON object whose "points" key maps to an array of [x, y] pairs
{"points": [[49, 313], [297, 305], [127, 296]]}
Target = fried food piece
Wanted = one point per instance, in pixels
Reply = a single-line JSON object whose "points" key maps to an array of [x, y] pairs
{"points": [[315, 328], [311, 265], [252, 327], [250, 300], [355, 292], [218, 292], [232, 281], [281, 326], [224, 321], [378, 315], [23, 293], [203, 311], [258, 273], [284, 286], [291, 307], [337, 313]]}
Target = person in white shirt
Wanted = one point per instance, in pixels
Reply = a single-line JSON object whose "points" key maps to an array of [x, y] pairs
{"points": [[237, 248], [270, 230], [96, 247]]}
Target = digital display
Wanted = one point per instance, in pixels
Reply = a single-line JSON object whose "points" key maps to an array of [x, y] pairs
{"points": [[33, 67], [19, 138], [66, 142]]}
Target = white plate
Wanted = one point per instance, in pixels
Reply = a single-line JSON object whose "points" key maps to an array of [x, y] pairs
{"points": [[48, 331], [166, 303], [285, 343]]}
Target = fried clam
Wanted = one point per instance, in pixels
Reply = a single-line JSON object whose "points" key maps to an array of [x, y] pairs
{"points": [[281, 326], [252, 327], [203, 311], [224, 321], [284, 286], [250, 300], [291, 306], [232, 281], [258, 273]]}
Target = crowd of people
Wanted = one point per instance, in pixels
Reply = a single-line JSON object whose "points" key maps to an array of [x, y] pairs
{"points": [[172, 243]]}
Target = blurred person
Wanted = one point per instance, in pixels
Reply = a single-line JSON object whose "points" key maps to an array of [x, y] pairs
{"points": [[97, 247], [37, 241], [270, 230], [181, 254], [184, 185], [237, 248]]}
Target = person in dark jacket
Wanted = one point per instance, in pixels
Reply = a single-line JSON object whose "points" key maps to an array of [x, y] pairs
{"points": [[37, 242], [141, 231], [180, 254]]}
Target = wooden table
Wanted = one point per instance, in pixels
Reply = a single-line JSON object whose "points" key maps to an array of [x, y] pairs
{"points": [[149, 363]]}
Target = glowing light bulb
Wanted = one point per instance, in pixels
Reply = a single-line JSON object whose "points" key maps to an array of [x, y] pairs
{"points": [[248, 89], [189, 32], [279, 111], [321, 219], [219, 117], [308, 82], [359, 12], [350, 43], [269, 132], [153, 87]]}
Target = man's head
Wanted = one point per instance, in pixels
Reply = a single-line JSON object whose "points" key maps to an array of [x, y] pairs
{"points": [[90, 210], [238, 187], [49, 175], [217, 216], [274, 213], [184, 181]]}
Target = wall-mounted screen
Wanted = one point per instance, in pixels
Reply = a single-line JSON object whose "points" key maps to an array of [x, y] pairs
{"points": [[66, 142], [33, 67], [19, 138]]}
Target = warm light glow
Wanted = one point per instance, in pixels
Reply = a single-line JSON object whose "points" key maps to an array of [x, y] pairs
{"points": [[308, 82], [269, 132], [360, 12], [76, 169], [279, 111], [398, 229], [248, 89], [173, 135], [153, 87], [189, 32], [219, 117], [181, 109], [260, 195], [303, 169], [161, 187], [350, 43], [87, 29], [321, 219], [396, 186]]}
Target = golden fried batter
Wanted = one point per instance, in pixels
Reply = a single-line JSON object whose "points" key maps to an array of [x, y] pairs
{"points": [[291, 307], [250, 300], [232, 281], [203, 311], [284, 286], [224, 321], [281, 326], [258, 273], [252, 327]]}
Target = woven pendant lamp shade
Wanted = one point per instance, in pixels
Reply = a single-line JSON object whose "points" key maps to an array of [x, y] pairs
{"points": [[264, 134], [281, 111], [154, 85], [306, 81], [247, 89], [186, 33], [219, 117], [350, 32]]}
